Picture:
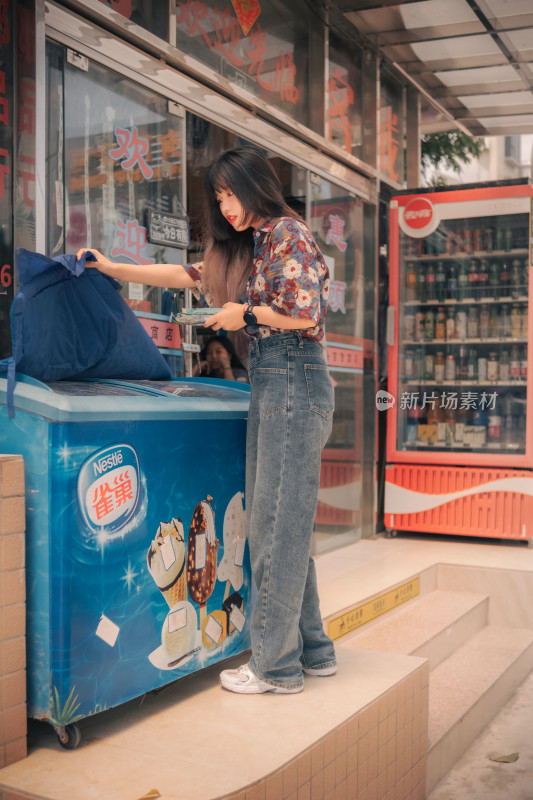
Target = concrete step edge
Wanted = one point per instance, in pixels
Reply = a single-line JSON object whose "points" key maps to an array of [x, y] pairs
{"points": [[424, 626], [470, 689]]}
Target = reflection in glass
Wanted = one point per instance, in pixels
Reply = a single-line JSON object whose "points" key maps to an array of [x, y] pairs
{"points": [[115, 153]]}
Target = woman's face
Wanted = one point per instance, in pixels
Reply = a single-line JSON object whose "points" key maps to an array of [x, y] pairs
{"points": [[217, 356], [232, 208]]}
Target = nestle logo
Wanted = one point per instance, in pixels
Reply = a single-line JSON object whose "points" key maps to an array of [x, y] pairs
{"points": [[104, 464]]}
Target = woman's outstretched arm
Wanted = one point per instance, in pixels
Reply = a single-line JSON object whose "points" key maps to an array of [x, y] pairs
{"points": [[166, 275]]}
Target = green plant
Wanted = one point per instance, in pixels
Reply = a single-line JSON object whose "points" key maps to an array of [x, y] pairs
{"points": [[63, 715]]}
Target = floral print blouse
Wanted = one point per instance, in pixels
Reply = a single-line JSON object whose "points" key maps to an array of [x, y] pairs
{"points": [[289, 275]]}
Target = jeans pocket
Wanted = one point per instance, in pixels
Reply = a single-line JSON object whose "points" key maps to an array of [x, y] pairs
{"points": [[320, 389], [271, 390]]}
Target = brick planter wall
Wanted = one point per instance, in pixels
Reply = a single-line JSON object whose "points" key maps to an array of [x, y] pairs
{"points": [[12, 611]]}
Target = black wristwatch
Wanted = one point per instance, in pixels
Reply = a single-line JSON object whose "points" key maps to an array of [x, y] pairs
{"points": [[249, 315]]}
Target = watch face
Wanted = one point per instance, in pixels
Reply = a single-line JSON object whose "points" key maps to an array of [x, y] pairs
{"points": [[249, 317]]}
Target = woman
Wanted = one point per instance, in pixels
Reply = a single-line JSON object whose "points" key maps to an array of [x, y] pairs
{"points": [[218, 359], [264, 270]]}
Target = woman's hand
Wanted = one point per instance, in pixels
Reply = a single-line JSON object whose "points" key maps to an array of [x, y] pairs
{"points": [[230, 318], [102, 263]]}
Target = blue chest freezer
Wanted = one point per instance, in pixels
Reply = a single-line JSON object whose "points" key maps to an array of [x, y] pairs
{"points": [[137, 561]]}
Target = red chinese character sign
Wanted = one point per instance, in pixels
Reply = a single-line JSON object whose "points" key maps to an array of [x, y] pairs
{"points": [[258, 59], [247, 12]]}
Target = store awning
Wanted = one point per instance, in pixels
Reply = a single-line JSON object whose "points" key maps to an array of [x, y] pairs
{"points": [[471, 59]]}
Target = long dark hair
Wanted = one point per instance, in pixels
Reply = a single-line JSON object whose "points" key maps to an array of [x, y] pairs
{"points": [[229, 253]]}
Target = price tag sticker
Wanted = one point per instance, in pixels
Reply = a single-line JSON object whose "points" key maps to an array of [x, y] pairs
{"points": [[167, 552], [200, 545], [239, 552], [237, 618]]}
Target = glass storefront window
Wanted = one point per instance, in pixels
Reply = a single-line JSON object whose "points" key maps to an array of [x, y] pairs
{"points": [[114, 152], [391, 130], [263, 47], [336, 220], [343, 227], [153, 15], [344, 96]]}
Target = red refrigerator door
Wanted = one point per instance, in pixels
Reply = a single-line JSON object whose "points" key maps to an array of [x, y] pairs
{"points": [[459, 360]]}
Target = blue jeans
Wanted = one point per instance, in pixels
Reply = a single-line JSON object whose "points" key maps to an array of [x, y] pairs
{"points": [[289, 422]]}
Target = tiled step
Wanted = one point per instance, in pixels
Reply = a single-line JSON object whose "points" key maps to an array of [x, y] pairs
{"points": [[432, 626], [469, 688]]}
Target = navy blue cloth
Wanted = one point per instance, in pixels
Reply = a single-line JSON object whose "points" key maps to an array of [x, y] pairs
{"points": [[69, 322]]}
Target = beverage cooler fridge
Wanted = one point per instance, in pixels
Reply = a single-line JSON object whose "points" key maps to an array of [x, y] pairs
{"points": [[459, 433]]}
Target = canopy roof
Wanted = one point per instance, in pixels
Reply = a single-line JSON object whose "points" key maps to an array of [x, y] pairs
{"points": [[471, 59]]}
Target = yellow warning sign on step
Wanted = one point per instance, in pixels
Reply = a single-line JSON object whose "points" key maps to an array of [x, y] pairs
{"points": [[359, 615]]}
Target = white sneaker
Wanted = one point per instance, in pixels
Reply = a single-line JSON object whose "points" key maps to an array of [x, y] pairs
{"points": [[323, 672], [243, 681]]}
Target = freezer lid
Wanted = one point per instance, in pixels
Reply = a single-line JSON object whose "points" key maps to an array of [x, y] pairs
{"points": [[104, 400]]}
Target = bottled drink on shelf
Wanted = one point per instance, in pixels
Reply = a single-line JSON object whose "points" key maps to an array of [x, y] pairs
{"points": [[494, 323], [440, 324], [450, 367], [524, 322], [516, 321], [440, 283], [467, 240], [439, 366], [462, 282], [450, 323], [449, 422], [479, 423], [477, 240], [410, 282], [462, 364], [514, 366], [482, 368], [450, 243], [472, 328], [484, 322], [505, 279], [499, 238], [483, 279], [461, 324], [429, 326], [451, 290], [492, 368], [504, 371], [431, 289], [471, 367], [508, 239], [419, 326], [429, 367], [516, 279], [473, 278], [523, 364], [505, 322], [489, 239], [494, 280], [507, 419], [409, 326], [494, 430], [421, 284], [462, 419]]}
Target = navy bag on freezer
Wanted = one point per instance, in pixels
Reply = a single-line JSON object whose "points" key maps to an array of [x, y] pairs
{"points": [[69, 322]]}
